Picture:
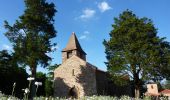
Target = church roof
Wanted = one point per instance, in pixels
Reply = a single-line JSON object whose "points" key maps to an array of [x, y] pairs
{"points": [[73, 44], [166, 91]]}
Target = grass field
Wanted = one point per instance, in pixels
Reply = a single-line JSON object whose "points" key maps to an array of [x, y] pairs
{"points": [[5, 97]]}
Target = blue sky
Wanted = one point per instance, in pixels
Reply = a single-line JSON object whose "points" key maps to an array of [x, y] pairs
{"points": [[91, 20]]}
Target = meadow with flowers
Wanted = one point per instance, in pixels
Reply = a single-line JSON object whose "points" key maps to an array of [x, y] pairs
{"points": [[8, 97], [94, 97]]}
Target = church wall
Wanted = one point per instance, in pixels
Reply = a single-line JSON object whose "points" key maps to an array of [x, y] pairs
{"points": [[105, 86], [101, 82], [117, 90], [74, 72], [64, 56]]}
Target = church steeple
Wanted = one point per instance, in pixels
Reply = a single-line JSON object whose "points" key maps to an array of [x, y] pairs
{"points": [[73, 48]]}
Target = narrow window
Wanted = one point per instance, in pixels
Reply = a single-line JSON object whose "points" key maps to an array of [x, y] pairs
{"points": [[73, 72], [151, 86]]}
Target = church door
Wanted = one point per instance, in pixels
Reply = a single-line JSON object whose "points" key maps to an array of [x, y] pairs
{"points": [[73, 92]]}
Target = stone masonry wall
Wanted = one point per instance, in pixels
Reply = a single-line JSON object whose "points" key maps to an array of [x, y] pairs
{"points": [[74, 72], [64, 56]]}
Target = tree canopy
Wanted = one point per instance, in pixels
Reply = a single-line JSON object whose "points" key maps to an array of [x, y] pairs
{"points": [[135, 49], [10, 73], [31, 34]]}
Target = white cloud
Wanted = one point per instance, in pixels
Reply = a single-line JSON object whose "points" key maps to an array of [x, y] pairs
{"points": [[85, 35], [87, 13], [6, 47], [86, 32], [104, 6], [82, 37]]}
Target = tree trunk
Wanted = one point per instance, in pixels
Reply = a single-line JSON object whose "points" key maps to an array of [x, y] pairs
{"points": [[137, 86], [137, 91], [136, 83], [33, 87]]}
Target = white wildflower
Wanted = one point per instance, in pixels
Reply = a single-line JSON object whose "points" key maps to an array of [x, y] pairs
{"points": [[38, 83], [9, 98], [14, 84], [30, 78], [27, 90]]}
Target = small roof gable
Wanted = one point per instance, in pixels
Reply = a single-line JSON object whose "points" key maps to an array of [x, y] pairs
{"points": [[73, 44]]}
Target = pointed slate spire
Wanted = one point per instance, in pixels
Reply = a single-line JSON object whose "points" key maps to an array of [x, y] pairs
{"points": [[73, 44], [73, 48]]}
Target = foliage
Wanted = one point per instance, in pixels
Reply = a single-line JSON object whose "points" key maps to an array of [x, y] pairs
{"points": [[48, 87], [159, 85], [134, 49], [167, 84], [10, 73], [51, 69], [49, 81], [41, 77], [31, 35]]}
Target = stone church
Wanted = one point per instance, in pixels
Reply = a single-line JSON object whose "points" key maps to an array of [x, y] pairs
{"points": [[76, 77]]}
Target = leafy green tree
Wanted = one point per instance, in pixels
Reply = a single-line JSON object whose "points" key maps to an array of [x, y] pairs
{"points": [[51, 69], [41, 77], [49, 81], [10, 73], [31, 35], [134, 49], [49, 87], [167, 84]]}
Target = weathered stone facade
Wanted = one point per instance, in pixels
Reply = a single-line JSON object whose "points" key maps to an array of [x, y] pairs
{"points": [[75, 77], [75, 73]]}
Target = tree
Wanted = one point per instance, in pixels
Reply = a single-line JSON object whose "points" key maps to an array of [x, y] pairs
{"points": [[167, 84], [31, 35], [41, 77], [10, 73], [134, 49], [51, 69], [49, 80]]}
